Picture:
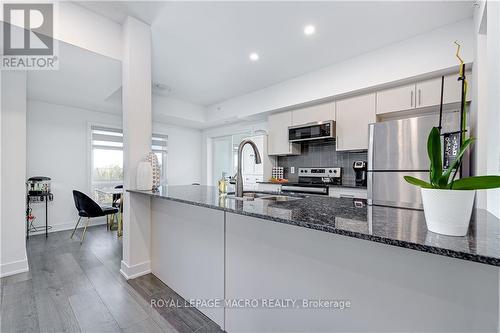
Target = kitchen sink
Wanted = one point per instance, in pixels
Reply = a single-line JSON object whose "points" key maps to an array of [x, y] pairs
{"points": [[279, 198], [250, 196]]}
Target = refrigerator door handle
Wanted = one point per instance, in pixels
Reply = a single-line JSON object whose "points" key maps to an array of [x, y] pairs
{"points": [[369, 181]]}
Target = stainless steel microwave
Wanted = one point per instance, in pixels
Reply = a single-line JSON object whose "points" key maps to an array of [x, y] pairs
{"points": [[312, 131]]}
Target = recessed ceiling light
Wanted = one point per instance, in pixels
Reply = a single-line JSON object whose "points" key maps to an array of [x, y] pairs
{"points": [[309, 30], [253, 56]]}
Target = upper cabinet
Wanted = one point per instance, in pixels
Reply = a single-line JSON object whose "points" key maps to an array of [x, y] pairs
{"points": [[277, 127], [396, 99], [315, 113], [352, 118], [352, 115], [452, 88], [428, 93], [421, 94]]}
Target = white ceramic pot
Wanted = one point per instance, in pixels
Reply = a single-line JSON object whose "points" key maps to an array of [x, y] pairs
{"points": [[144, 177], [448, 212]]}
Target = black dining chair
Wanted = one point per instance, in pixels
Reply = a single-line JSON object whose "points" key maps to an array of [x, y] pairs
{"points": [[88, 208]]}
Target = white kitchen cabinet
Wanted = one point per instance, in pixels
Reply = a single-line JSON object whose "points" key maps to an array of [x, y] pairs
{"points": [[277, 143], [396, 99], [276, 261], [187, 251], [352, 118], [315, 113], [428, 93], [422, 94], [453, 88]]}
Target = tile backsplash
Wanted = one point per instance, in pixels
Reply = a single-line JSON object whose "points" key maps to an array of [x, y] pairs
{"points": [[322, 154]]}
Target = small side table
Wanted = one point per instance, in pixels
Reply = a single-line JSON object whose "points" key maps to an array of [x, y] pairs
{"points": [[35, 198]]}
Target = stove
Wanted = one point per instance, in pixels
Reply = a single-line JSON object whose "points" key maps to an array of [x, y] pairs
{"points": [[314, 180]]}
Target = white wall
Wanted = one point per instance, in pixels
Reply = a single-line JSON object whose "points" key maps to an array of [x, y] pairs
{"points": [[184, 153], [478, 110], [58, 146], [81, 27], [486, 102], [493, 104], [13, 172], [425, 53]]}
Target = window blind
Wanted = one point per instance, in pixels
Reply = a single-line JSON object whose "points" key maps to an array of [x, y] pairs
{"points": [[159, 143], [107, 138], [112, 138]]}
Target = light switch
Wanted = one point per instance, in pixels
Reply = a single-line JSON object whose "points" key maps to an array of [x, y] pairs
{"points": [[292, 169]]}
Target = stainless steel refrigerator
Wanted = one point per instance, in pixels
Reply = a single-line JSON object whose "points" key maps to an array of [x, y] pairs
{"points": [[398, 148]]}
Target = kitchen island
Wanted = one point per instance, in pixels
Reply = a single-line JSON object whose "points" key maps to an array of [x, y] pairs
{"points": [[394, 274]]}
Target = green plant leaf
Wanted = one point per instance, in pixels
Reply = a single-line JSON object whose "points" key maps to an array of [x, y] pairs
{"points": [[417, 182], [434, 152], [477, 183]]}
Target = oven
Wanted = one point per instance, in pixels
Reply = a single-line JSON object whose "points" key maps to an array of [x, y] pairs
{"points": [[314, 181]]}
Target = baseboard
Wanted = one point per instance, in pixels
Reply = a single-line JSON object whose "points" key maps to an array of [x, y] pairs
{"points": [[68, 226], [131, 272], [14, 267]]}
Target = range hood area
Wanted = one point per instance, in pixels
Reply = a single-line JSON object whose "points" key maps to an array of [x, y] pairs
{"points": [[312, 131]]}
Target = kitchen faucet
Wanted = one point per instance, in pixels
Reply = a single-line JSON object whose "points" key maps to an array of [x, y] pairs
{"points": [[239, 177]]}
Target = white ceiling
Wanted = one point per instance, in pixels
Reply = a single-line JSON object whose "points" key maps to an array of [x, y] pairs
{"points": [[84, 79], [200, 49], [118, 11]]}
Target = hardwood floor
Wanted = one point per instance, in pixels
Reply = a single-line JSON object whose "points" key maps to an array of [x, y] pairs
{"points": [[78, 288]]}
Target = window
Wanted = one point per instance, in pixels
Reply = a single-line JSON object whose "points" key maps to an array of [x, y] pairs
{"points": [[107, 158]]}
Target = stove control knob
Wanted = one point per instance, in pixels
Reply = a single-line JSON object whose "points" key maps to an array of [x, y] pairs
{"points": [[334, 171], [330, 171]]}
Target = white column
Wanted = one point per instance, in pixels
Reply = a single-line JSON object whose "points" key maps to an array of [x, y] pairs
{"points": [[493, 112], [136, 91], [13, 173]]}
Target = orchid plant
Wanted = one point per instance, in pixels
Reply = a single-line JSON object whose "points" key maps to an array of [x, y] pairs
{"points": [[445, 179]]}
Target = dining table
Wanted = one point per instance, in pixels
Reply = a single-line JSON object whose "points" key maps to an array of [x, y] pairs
{"points": [[111, 192]]}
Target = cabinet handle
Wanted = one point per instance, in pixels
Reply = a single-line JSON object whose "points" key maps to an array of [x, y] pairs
{"points": [[411, 98], [419, 97]]}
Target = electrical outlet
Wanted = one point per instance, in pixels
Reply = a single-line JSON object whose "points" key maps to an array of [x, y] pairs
{"points": [[292, 169]]}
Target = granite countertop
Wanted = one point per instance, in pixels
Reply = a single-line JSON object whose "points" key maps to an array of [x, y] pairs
{"points": [[353, 218]]}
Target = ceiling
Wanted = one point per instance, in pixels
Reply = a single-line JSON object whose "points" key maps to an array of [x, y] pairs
{"points": [[200, 49], [84, 79], [118, 11]]}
